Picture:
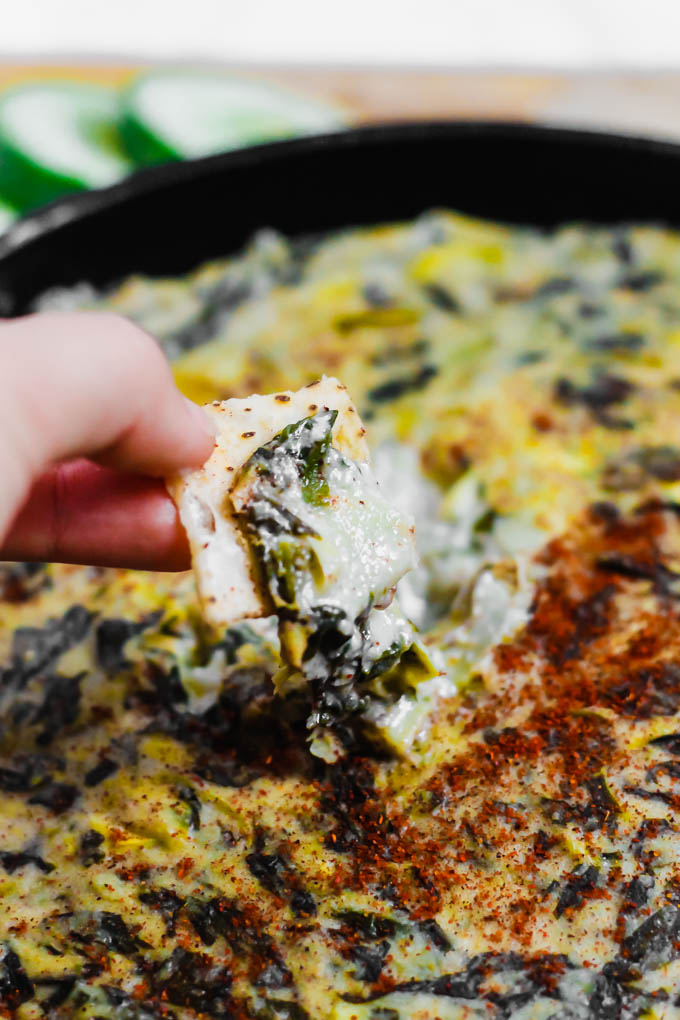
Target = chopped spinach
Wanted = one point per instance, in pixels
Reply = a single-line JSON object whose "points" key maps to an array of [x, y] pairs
{"points": [[304, 444], [656, 941], [599, 396], [602, 807], [60, 707], [555, 287], [28, 772], [205, 918], [665, 581], [642, 281], [191, 799], [104, 769], [432, 931], [524, 978], [35, 649], [220, 916], [111, 931], [613, 342], [15, 986], [217, 304], [670, 743], [20, 582], [167, 684], [90, 847], [277, 876], [636, 893], [191, 980], [111, 636], [370, 926], [396, 388], [59, 990], [578, 885], [369, 960], [376, 295], [128, 1008], [58, 797], [611, 999], [623, 250], [442, 298], [167, 903], [635, 468], [302, 903], [226, 772], [13, 859], [274, 974]]}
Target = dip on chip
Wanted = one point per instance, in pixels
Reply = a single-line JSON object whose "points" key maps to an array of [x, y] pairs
{"points": [[286, 518], [226, 574]]}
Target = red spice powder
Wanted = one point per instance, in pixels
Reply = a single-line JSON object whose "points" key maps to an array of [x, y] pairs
{"points": [[564, 668]]}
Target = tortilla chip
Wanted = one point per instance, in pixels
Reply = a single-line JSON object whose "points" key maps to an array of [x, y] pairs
{"points": [[226, 573]]}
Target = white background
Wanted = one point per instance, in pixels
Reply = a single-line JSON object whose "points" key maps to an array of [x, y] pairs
{"points": [[570, 34]]}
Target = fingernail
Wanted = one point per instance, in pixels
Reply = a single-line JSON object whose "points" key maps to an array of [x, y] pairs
{"points": [[199, 417]]}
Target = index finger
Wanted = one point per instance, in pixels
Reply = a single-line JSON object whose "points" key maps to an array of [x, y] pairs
{"points": [[89, 384]]}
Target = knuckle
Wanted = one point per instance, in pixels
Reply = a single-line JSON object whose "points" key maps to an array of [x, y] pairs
{"points": [[134, 349]]}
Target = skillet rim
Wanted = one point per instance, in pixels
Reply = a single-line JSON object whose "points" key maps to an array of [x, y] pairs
{"points": [[67, 214]]}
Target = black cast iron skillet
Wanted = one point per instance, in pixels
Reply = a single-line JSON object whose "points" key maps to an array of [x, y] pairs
{"points": [[168, 219]]}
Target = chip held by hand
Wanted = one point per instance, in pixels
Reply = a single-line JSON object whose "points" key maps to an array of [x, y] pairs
{"points": [[228, 577]]}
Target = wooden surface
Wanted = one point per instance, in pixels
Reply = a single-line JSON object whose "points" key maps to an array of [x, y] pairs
{"points": [[638, 103]]}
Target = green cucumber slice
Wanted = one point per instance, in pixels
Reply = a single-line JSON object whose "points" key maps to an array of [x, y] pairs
{"points": [[169, 115], [7, 216], [55, 138]]}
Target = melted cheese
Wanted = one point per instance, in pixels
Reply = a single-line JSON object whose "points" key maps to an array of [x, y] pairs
{"points": [[520, 391]]}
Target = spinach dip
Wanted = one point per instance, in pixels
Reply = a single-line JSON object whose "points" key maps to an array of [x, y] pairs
{"points": [[171, 847]]}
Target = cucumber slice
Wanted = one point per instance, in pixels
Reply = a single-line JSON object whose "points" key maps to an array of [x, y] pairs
{"points": [[169, 115], [7, 216], [57, 137]]}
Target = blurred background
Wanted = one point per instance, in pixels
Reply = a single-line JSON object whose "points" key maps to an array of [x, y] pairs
{"points": [[89, 92]]}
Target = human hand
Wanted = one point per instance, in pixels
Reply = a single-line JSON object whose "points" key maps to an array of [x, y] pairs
{"points": [[94, 386]]}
